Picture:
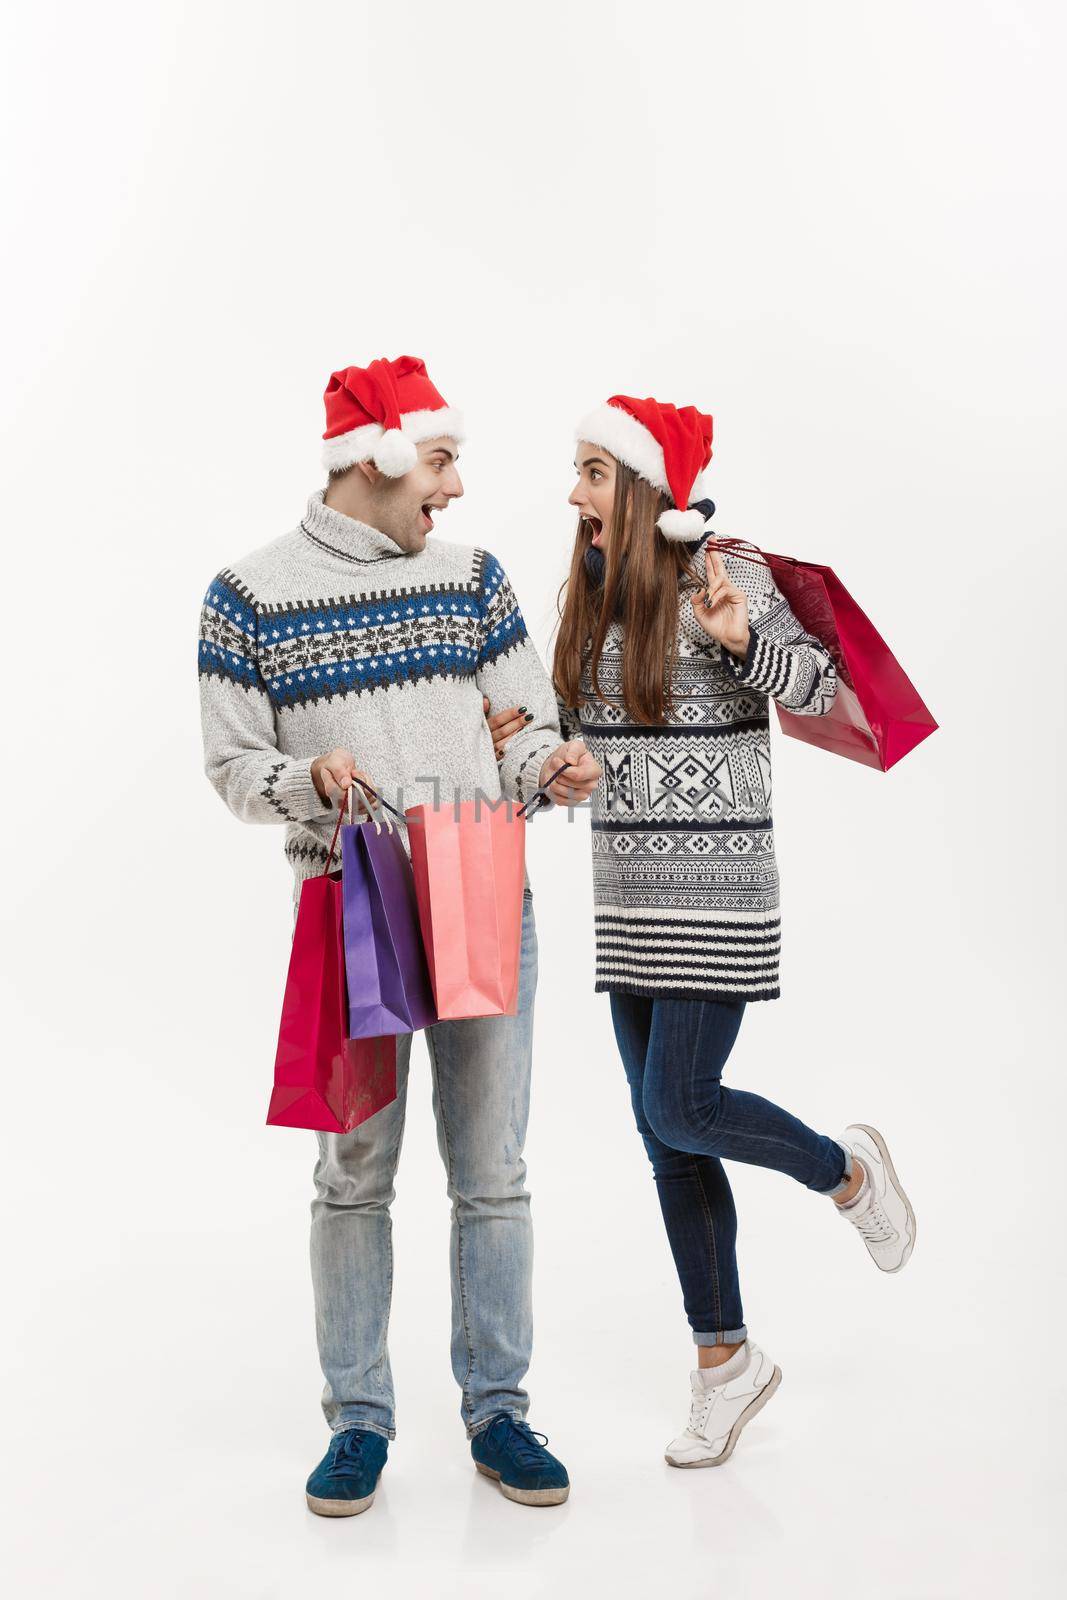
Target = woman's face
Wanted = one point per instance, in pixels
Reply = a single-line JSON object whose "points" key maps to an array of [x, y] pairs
{"points": [[593, 495]]}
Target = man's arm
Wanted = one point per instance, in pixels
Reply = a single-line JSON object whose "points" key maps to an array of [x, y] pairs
{"points": [[510, 672], [241, 755]]}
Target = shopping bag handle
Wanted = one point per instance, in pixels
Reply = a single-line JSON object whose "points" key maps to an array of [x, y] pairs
{"points": [[345, 804], [365, 788], [542, 793], [333, 842], [732, 547], [382, 801], [538, 794]]}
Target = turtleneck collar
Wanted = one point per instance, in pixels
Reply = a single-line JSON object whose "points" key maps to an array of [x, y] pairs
{"points": [[345, 537]]}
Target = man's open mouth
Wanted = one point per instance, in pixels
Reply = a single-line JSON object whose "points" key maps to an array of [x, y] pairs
{"points": [[427, 515]]}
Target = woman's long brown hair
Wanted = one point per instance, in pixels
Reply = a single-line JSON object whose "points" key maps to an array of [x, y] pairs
{"points": [[642, 574]]}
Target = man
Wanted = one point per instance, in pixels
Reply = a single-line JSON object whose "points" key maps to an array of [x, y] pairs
{"points": [[358, 647]]}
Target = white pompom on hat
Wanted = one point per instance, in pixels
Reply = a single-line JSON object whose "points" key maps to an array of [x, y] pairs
{"points": [[395, 454], [668, 447], [381, 413]]}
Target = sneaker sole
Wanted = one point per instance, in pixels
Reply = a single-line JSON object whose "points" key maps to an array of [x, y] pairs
{"points": [[754, 1405], [525, 1497], [338, 1508], [879, 1142]]}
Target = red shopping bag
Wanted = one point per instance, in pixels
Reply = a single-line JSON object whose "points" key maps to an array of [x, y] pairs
{"points": [[877, 715], [322, 1079], [468, 860]]}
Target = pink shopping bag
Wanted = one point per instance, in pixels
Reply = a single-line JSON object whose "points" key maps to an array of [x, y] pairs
{"points": [[877, 715], [322, 1079], [469, 865], [468, 862]]}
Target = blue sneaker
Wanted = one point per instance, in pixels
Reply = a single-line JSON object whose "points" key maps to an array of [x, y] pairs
{"points": [[515, 1456], [343, 1483]]}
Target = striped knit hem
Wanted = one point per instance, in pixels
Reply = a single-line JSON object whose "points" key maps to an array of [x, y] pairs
{"points": [[652, 991], [687, 953]]}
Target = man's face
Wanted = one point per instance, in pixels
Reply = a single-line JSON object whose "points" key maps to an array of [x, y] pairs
{"points": [[404, 507]]}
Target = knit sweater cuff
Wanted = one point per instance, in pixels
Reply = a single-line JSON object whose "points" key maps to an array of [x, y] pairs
{"points": [[765, 665], [290, 789], [529, 769]]}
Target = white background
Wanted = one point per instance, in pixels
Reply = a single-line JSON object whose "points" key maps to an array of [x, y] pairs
{"points": [[838, 227]]}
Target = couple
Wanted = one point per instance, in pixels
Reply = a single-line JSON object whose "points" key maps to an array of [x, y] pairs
{"points": [[356, 648]]}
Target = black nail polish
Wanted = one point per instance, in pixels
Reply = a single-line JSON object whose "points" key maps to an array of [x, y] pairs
{"points": [[528, 717]]}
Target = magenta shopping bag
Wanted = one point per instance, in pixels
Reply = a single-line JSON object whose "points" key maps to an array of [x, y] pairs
{"points": [[322, 1078], [877, 715], [388, 979]]}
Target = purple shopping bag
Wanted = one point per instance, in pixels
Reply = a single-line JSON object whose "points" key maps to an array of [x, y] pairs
{"points": [[389, 987]]}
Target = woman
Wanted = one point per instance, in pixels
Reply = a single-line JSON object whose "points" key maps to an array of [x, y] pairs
{"points": [[667, 653]]}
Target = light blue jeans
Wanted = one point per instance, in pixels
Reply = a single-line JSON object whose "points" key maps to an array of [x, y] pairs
{"points": [[481, 1098]]}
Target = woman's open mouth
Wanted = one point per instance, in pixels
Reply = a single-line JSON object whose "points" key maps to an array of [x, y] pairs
{"points": [[596, 529]]}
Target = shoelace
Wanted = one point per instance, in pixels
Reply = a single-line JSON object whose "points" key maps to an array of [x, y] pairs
{"points": [[874, 1225], [526, 1446], [700, 1410], [698, 1415], [348, 1459]]}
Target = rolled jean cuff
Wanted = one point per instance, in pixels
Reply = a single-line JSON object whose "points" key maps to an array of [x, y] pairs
{"points": [[481, 1423], [731, 1336], [350, 1422], [847, 1179]]}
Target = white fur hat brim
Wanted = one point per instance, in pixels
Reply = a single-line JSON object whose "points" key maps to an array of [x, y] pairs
{"points": [[365, 443], [628, 441]]}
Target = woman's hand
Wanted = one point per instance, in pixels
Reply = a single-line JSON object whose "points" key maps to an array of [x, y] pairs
{"points": [[722, 608], [579, 780], [582, 774], [503, 724]]}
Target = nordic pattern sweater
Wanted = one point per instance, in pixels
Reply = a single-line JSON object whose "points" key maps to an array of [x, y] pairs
{"points": [[332, 636], [685, 881]]}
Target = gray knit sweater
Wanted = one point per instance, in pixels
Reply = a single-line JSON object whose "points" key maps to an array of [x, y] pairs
{"points": [[685, 881], [332, 636]]}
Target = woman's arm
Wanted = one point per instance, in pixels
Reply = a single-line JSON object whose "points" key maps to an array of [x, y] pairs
{"points": [[750, 624], [570, 723]]}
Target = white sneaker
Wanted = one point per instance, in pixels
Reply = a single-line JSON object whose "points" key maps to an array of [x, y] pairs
{"points": [[719, 1411], [882, 1215]]}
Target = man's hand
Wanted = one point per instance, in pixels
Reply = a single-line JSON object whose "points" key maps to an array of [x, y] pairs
{"points": [[333, 776], [722, 608], [504, 724], [579, 780]]}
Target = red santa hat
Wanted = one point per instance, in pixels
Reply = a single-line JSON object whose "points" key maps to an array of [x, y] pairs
{"points": [[667, 447], [381, 412]]}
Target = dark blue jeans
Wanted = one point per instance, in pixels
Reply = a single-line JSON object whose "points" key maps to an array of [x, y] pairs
{"points": [[674, 1052]]}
